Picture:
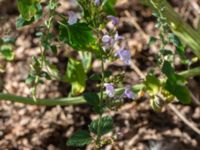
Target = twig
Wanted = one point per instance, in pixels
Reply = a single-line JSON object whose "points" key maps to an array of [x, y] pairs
{"points": [[183, 118], [194, 98], [133, 21]]}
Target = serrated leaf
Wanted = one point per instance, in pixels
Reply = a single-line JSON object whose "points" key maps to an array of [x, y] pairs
{"points": [[106, 125], [79, 36], [30, 11], [79, 139], [7, 52], [76, 75], [108, 6], [27, 8]]}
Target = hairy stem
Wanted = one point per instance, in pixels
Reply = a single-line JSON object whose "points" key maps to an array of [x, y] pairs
{"points": [[79, 99], [101, 99], [190, 73], [184, 31]]}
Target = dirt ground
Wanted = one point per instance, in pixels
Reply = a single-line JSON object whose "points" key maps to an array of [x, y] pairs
{"points": [[25, 127]]}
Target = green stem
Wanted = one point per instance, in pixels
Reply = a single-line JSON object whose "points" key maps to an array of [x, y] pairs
{"points": [[80, 99], [98, 141], [190, 73], [56, 101], [184, 31]]}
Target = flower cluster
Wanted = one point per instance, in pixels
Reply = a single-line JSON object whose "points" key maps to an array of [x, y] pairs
{"points": [[109, 42], [110, 91], [124, 55]]}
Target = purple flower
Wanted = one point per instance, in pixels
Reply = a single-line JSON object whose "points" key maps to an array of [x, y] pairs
{"points": [[97, 2], [124, 55], [115, 21], [110, 90], [106, 39], [73, 18], [128, 93], [117, 37], [108, 42]]}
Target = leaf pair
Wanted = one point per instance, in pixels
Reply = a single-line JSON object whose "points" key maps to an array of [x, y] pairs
{"points": [[82, 137]]}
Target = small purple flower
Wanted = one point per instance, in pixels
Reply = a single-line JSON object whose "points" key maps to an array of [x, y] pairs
{"points": [[117, 37], [124, 55], [108, 42], [128, 93], [115, 21], [110, 90], [97, 2], [106, 39], [73, 18]]}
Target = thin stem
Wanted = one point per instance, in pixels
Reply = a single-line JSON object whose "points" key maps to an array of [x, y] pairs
{"points": [[56, 101], [100, 103], [184, 31], [190, 73], [80, 99]]}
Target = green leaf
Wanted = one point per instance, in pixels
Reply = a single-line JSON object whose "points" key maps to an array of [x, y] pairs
{"points": [[108, 6], [106, 125], [168, 70], [180, 91], [54, 49], [152, 84], [180, 48], [22, 22], [79, 139], [152, 40], [175, 84], [39, 12], [174, 39], [92, 98], [30, 11], [30, 79], [27, 8], [79, 36], [86, 9], [7, 52], [9, 40], [45, 75], [75, 74], [98, 76]]}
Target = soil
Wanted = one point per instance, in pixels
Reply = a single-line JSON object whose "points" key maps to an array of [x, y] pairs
{"points": [[137, 126]]}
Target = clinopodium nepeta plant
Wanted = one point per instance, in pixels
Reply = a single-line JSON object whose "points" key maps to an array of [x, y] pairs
{"points": [[91, 33]]}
